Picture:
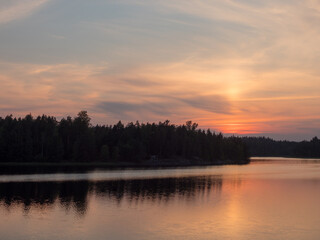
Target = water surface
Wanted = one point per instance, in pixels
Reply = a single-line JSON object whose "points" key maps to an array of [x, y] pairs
{"points": [[268, 199]]}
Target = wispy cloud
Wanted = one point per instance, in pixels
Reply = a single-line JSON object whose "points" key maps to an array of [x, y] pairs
{"points": [[11, 10], [165, 107], [60, 37]]}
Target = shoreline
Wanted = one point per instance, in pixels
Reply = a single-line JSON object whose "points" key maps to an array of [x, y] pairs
{"points": [[281, 158], [113, 165]]}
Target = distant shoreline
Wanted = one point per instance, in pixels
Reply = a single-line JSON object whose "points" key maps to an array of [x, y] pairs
{"points": [[116, 164], [256, 158], [148, 164]]}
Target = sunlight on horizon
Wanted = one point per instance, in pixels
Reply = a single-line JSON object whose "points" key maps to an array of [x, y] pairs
{"points": [[248, 68]]}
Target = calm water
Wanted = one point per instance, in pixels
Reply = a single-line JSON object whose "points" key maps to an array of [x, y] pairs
{"points": [[274, 199]]}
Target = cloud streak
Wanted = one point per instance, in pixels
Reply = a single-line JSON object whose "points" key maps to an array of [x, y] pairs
{"points": [[167, 106], [17, 9]]}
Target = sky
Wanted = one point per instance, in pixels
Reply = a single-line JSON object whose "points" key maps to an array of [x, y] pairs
{"points": [[245, 67]]}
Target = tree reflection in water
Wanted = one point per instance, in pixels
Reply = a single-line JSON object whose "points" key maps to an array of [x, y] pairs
{"points": [[76, 194]]}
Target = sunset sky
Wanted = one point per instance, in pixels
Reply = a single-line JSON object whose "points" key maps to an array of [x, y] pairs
{"points": [[240, 67]]}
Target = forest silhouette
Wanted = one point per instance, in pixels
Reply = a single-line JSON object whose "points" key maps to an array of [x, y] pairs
{"points": [[45, 139], [267, 147]]}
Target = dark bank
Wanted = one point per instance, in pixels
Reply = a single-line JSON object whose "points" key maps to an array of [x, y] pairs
{"points": [[76, 142]]}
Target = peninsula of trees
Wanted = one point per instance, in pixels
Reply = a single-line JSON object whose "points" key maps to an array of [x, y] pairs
{"points": [[267, 147], [43, 139]]}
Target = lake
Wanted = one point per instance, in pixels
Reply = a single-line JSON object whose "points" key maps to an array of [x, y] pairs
{"points": [[271, 198]]}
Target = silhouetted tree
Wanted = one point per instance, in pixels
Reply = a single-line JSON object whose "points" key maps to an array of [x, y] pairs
{"points": [[267, 147], [44, 139]]}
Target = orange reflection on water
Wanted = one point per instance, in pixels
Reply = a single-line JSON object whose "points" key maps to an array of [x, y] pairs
{"points": [[276, 199]]}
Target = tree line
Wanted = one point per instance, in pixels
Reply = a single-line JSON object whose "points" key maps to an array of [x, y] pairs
{"points": [[45, 139], [267, 147]]}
